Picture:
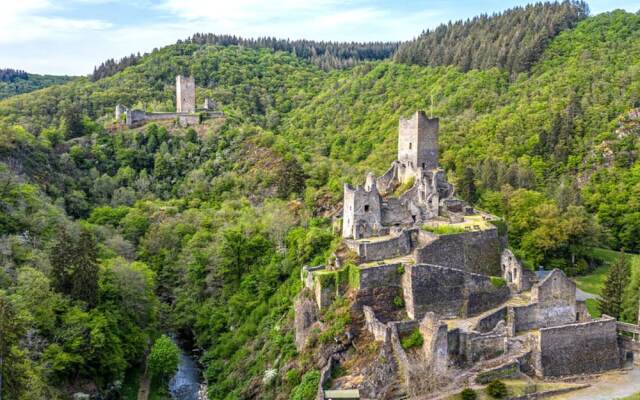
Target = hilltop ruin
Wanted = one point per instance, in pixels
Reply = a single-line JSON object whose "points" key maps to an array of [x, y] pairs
{"points": [[417, 259], [186, 112]]}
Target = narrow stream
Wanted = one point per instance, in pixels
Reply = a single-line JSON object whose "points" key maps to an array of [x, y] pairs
{"points": [[185, 384]]}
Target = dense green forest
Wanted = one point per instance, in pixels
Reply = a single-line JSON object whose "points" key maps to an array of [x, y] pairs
{"points": [[326, 55], [13, 82], [513, 40], [111, 237]]}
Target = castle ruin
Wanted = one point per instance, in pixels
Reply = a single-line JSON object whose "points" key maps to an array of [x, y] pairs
{"points": [[185, 94], [415, 258], [186, 112]]}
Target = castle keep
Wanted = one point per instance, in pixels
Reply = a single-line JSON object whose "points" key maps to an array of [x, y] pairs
{"points": [[186, 112], [185, 94], [416, 258]]}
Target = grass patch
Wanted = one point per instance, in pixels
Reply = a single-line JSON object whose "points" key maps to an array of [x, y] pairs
{"points": [[592, 307], [594, 282], [404, 187], [498, 281], [131, 383], [632, 397], [443, 229]]}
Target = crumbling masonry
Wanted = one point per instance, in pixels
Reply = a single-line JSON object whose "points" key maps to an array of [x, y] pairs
{"points": [[425, 260]]}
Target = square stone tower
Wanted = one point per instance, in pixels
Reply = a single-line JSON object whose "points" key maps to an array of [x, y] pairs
{"points": [[418, 143], [185, 94]]}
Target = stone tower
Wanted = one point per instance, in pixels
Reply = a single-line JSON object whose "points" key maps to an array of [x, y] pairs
{"points": [[417, 144], [362, 210], [185, 94]]}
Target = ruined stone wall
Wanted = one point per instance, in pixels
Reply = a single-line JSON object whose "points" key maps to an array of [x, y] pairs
{"points": [[448, 292], [379, 330], [384, 249], [485, 346], [487, 323], [526, 317], [406, 327], [306, 315], [378, 287], [435, 344], [404, 364], [514, 273], [383, 275], [324, 295], [556, 299], [477, 251], [579, 348], [394, 212], [389, 180], [582, 312], [483, 294]]}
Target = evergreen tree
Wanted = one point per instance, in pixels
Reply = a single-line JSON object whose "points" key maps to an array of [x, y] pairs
{"points": [[617, 280], [10, 333], [631, 301], [75, 268], [62, 258], [467, 185], [85, 275]]}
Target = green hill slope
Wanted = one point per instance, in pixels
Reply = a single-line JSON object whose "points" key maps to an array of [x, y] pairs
{"points": [[18, 82]]}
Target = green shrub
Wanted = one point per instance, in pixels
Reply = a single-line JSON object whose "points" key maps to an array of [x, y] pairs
{"points": [[497, 281], [336, 319], [413, 340], [354, 275], [293, 377], [400, 269], [468, 394], [500, 225], [404, 187], [398, 302], [497, 389], [308, 388], [164, 358]]}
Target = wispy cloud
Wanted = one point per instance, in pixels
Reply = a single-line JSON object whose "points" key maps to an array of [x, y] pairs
{"points": [[29, 20]]}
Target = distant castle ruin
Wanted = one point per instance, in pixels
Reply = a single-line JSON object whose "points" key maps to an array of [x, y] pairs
{"points": [[186, 112]]}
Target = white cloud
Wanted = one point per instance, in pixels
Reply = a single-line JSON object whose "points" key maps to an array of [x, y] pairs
{"points": [[24, 20]]}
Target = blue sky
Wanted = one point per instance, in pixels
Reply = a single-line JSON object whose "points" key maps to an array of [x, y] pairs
{"points": [[70, 37]]}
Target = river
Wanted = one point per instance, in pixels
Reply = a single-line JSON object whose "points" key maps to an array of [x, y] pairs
{"points": [[186, 383]]}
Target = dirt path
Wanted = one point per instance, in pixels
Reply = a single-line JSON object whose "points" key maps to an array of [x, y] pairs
{"points": [[145, 386], [609, 386]]}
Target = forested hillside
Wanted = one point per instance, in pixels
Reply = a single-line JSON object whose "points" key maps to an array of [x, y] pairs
{"points": [[13, 82], [203, 231], [513, 40], [326, 55]]}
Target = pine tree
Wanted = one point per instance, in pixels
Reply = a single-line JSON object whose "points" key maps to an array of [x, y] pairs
{"points": [[85, 275], [467, 185], [75, 267], [614, 286], [62, 257]]}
